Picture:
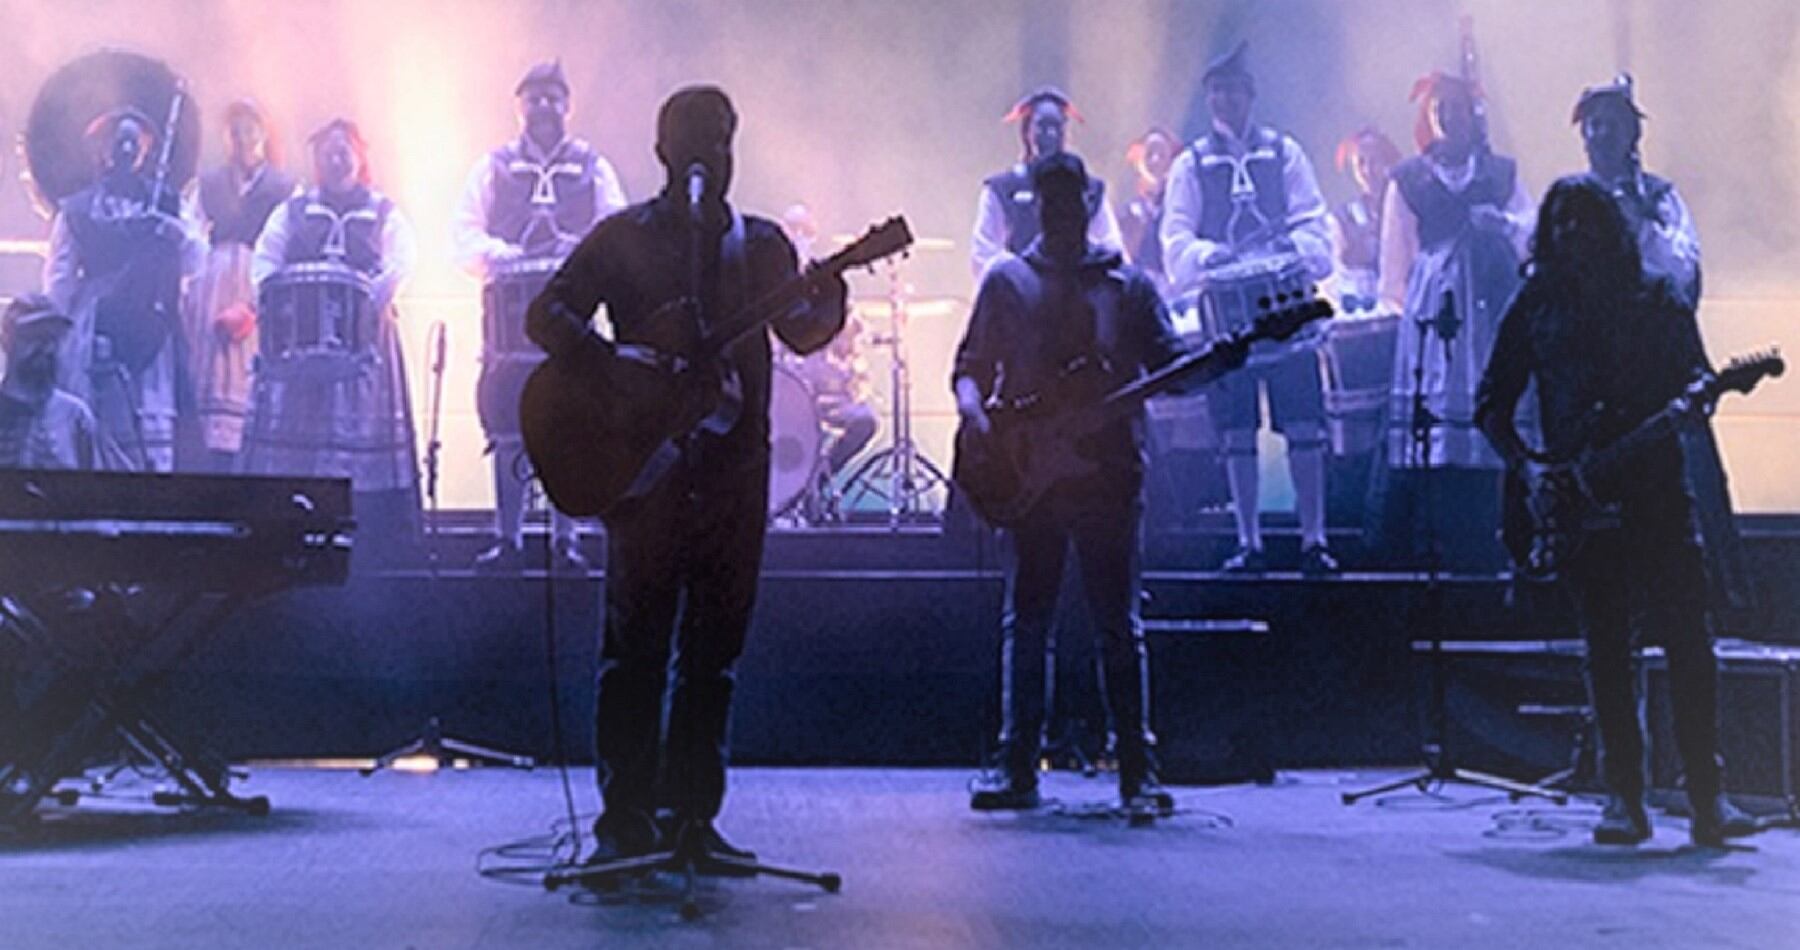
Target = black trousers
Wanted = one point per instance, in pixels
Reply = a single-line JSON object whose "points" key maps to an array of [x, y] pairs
{"points": [[681, 576], [1650, 568], [1101, 522]]}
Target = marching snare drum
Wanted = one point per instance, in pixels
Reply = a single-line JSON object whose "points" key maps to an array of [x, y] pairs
{"points": [[1232, 296], [796, 439], [504, 299], [1359, 370], [316, 309]]}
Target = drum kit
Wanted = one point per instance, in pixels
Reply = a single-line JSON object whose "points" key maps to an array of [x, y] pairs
{"points": [[901, 479]]}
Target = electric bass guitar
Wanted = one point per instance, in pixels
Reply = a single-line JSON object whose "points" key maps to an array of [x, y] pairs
{"points": [[1038, 440], [601, 436], [1544, 526]]}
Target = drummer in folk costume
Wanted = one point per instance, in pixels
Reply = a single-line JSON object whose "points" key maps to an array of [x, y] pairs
{"points": [[335, 404], [117, 257], [1006, 219], [1240, 196], [526, 205], [236, 200], [1150, 157], [1455, 225]]}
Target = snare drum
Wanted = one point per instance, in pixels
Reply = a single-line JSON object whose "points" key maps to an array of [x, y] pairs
{"points": [[1359, 370], [504, 299], [1231, 297], [796, 439], [316, 309]]}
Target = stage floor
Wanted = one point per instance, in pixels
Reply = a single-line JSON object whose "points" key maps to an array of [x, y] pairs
{"points": [[391, 861]]}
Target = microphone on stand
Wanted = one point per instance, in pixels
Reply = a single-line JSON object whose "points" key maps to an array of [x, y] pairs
{"points": [[1446, 323], [697, 176]]}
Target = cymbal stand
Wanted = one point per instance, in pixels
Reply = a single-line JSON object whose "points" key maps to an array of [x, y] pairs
{"points": [[909, 474]]}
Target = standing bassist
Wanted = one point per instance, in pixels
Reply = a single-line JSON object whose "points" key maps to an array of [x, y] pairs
{"points": [[1064, 302], [683, 554], [1607, 348]]}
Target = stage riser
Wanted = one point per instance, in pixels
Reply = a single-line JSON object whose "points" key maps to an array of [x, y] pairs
{"points": [[849, 668]]}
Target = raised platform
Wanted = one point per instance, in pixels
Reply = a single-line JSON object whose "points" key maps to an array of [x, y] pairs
{"points": [[391, 861]]}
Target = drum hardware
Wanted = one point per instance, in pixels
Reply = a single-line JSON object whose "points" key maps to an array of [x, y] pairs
{"points": [[1359, 368], [796, 443], [909, 474], [1231, 296], [506, 297], [317, 318]]}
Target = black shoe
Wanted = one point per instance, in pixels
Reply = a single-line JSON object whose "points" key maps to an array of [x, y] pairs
{"points": [[503, 557], [620, 836], [1623, 822], [566, 558], [700, 838], [1246, 561], [1003, 792], [1717, 820], [1316, 561]]}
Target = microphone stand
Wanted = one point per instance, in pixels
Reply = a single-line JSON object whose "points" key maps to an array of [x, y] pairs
{"points": [[438, 342], [1438, 768]]}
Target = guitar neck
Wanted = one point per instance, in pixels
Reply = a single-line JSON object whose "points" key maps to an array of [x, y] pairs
{"points": [[767, 307], [1607, 461]]}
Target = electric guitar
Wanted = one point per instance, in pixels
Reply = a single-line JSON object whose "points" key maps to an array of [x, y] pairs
{"points": [[1037, 440], [602, 436], [1544, 526]]}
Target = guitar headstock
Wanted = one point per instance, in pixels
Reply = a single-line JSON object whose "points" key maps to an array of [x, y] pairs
{"points": [[884, 240], [1289, 318], [1743, 373]]}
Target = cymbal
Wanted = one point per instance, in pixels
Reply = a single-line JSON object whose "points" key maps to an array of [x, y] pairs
{"points": [[879, 307], [933, 244]]}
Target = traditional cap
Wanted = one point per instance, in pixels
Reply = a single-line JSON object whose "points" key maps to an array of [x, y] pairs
{"points": [[29, 310], [546, 74], [1619, 90], [1232, 65], [1030, 101]]}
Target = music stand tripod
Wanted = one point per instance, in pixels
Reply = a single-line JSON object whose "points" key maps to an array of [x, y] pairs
{"points": [[1439, 767], [908, 473], [687, 857]]}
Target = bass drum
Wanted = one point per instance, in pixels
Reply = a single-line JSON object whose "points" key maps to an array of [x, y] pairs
{"points": [[796, 439]]}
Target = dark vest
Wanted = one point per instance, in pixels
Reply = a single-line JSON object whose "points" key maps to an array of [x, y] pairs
{"points": [[1360, 221], [1444, 214], [138, 274], [236, 216], [346, 228], [1019, 203], [534, 203], [1220, 173]]}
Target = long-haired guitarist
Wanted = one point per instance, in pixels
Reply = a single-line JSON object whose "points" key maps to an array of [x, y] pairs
{"points": [[1607, 348], [682, 560], [1065, 318]]}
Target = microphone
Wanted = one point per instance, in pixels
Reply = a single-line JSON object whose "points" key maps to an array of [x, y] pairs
{"points": [[697, 176], [1446, 323], [440, 335]]}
